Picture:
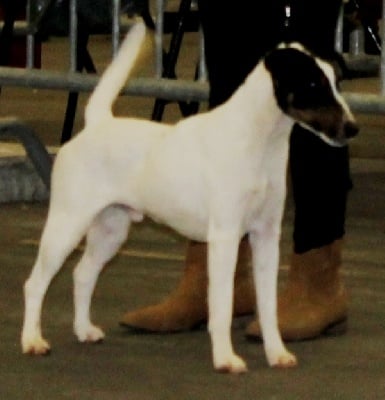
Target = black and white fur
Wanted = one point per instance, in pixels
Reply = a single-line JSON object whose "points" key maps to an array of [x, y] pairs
{"points": [[213, 177]]}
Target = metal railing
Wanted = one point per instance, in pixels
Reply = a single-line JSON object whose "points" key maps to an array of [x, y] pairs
{"points": [[168, 89], [157, 87]]}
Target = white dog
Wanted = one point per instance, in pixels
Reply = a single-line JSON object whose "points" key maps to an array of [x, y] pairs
{"points": [[213, 177]]}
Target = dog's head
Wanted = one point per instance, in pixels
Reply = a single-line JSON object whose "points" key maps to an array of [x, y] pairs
{"points": [[305, 88]]}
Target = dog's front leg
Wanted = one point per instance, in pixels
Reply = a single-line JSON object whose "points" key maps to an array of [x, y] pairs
{"points": [[221, 268], [265, 254]]}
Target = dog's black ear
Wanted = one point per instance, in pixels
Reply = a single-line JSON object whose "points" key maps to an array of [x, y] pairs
{"points": [[297, 79], [282, 64], [277, 61]]}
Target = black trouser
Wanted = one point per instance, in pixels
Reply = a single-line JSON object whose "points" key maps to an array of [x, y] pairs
{"points": [[237, 34]]}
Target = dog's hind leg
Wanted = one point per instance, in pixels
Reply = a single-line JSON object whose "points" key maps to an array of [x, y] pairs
{"points": [[265, 258], [221, 271], [61, 234], [104, 238]]}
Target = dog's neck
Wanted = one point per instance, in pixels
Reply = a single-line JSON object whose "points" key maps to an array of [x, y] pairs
{"points": [[255, 104]]}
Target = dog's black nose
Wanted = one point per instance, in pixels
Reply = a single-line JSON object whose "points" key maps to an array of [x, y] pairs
{"points": [[351, 129]]}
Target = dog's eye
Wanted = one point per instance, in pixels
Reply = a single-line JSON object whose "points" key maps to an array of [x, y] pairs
{"points": [[317, 83], [313, 85]]}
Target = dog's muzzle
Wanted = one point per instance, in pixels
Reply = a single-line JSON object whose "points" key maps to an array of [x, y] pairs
{"points": [[336, 137], [348, 130]]}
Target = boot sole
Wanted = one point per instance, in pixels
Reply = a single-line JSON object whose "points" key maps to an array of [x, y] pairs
{"points": [[336, 328], [140, 330]]}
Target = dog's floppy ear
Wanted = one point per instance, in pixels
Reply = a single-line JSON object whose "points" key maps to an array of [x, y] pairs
{"points": [[277, 61], [289, 65], [297, 79], [281, 63]]}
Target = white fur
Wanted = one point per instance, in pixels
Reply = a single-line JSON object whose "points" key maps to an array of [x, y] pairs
{"points": [[212, 177]]}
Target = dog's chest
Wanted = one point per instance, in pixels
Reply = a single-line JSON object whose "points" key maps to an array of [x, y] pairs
{"points": [[264, 198], [255, 201], [191, 209]]}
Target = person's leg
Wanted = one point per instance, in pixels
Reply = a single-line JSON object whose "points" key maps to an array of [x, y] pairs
{"points": [[321, 181], [225, 25], [314, 299], [236, 36], [313, 23], [186, 307]]}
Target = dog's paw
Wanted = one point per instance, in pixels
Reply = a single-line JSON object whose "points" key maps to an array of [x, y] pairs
{"points": [[89, 334], [35, 346], [232, 364], [283, 360]]}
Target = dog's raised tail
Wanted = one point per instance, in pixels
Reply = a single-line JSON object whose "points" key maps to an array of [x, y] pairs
{"points": [[101, 100]]}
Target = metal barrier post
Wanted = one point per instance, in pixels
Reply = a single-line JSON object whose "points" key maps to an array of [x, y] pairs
{"points": [[382, 66], [159, 24], [339, 39], [115, 26], [73, 35], [202, 58], [30, 38]]}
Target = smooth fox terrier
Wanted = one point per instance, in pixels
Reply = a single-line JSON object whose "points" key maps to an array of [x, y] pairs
{"points": [[212, 177]]}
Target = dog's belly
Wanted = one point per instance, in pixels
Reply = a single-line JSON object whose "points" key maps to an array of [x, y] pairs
{"points": [[183, 223], [177, 203], [189, 207]]}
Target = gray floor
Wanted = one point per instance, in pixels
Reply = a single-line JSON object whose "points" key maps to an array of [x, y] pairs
{"points": [[136, 366]]}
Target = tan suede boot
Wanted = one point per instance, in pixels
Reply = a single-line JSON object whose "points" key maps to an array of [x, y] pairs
{"points": [[314, 299], [186, 307]]}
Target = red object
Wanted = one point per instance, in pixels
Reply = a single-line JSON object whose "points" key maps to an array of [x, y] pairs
{"points": [[18, 56], [18, 53]]}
